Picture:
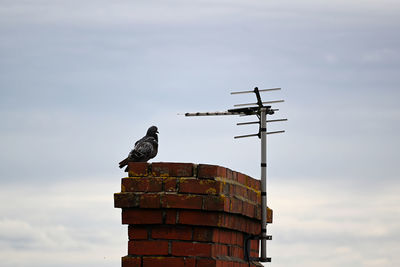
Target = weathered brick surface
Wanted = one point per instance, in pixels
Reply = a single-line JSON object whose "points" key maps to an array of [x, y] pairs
{"points": [[193, 217], [172, 169], [178, 201], [189, 201], [150, 201], [124, 200], [137, 232], [163, 262], [203, 186], [211, 171], [172, 232], [141, 184], [215, 203], [182, 214], [148, 247], [131, 262], [170, 184], [190, 262], [138, 168], [203, 234], [141, 216], [192, 249], [171, 216]]}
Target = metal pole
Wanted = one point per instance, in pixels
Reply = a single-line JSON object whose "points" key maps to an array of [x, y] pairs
{"points": [[263, 132]]}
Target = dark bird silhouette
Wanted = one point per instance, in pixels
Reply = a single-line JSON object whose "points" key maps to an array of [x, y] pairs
{"points": [[145, 148]]}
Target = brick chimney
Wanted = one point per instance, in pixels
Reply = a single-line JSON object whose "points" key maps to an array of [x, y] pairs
{"points": [[188, 215]]}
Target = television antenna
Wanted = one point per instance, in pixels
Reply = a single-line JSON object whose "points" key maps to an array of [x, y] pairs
{"points": [[261, 110]]}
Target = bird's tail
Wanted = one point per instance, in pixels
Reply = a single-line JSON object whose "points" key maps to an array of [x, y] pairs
{"points": [[124, 163]]}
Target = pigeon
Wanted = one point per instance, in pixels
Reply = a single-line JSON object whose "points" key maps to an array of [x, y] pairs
{"points": [[145, 148]]}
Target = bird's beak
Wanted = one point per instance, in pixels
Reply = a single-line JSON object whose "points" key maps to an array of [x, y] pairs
{"points": [[157, 131]]}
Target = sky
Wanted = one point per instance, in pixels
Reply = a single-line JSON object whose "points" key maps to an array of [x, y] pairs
{"points": [[81, 81]]}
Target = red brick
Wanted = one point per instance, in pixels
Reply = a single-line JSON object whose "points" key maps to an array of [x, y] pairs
{"points": [[238, 239], [210, 171], [137, 232], [223, 236], [199, 186], [235, 176], [227, 204], [254, 184], [236, 252], [254, 228], [141, 216], [190, 262], [240, 191], [138, 168], [259, 198], [199, 218], [214, 202], [219, 219], [170, 184], [220, 250], [232, 189], [242, 178], [254, 244], [257, 185], [146, 247], [191, 249], [206, 263], [172, 232], [150, 201], [252, 195], [163, 262], [181, 201], [131, 261], [141, 184], [170, 217], [229, 174], [126, 200], [203, 234], [225, 188], [248, 209], [172, 169], [254, 254], [240, 223], [236, 205]]}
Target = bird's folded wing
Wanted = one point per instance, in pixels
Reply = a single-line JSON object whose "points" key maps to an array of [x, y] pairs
{"points": [[144, 148]]}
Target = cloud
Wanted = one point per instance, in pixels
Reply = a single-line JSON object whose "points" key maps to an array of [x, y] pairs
{"points": [[64, 224], [332, 225], [20, 235]]}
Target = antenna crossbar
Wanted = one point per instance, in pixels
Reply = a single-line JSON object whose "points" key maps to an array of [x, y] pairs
{"points": [[247, 135], [252, 91], [251, 135], [276, 132], [252, 104], [257, 122]]}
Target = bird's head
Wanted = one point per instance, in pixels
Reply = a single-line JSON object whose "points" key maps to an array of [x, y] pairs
{"points": [[152, 131]]}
